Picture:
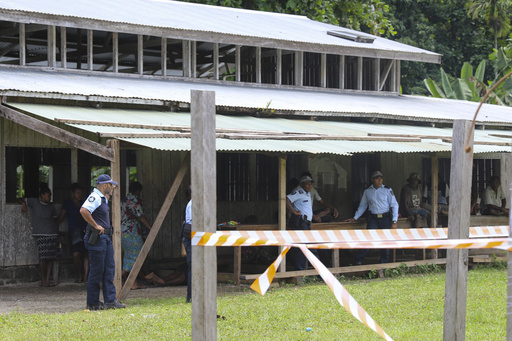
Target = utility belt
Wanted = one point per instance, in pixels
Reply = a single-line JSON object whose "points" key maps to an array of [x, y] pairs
{"points": [[94, 234], [380, 215], [296, 220]]}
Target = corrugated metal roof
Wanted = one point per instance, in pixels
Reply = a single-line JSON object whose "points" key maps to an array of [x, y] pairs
{"points": [[47, 84], [340, 147], [185, 18]]}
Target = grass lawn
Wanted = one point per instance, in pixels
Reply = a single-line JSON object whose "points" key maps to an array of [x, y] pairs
{"points": [[407, 307]]}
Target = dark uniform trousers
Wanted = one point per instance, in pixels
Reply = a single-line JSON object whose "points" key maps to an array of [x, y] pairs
{"points": [[102, 270], [299, 259], [374, 223]]}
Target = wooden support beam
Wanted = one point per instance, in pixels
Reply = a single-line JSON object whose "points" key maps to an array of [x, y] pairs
{"points": [[323, 70], [56, 133], [163, 56], [398, 75], [52, 46], [115, 52], [74, 165], [204, 214], [235, 136], [342, 72], [157, 224], [282, 205], [23, 45], [63, 48], [385, 74], [140, 54], [279, 66], [458, 228], [193, 59], [215, 61], [186, 58], [299, 68], [90, 50], [435, 198], [258, 64], [359, 73], [238, 53], [376, 74], [115, 173], [393, 77]]}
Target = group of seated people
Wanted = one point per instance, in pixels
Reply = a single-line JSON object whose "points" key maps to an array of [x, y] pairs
{"points": [[416, 204]]}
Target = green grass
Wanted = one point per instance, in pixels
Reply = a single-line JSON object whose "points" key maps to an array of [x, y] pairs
{"points": [[407, 307]]}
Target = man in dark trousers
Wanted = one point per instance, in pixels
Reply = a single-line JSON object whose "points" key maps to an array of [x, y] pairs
{"points": [[98, 242], [382, 212]]}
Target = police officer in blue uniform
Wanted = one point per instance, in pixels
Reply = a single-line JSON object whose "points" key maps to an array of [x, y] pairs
{"points": [[382, 212], [300, 204], [98, 242]]}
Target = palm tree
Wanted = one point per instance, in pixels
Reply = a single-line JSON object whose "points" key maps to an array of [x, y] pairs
{"points": [[495, 12]]}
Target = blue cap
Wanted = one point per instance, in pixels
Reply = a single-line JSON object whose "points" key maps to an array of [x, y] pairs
{"points": [[105, 179]]}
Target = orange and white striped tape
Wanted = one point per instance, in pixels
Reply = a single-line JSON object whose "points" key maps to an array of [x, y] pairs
{"points": [[258, 238], [342, 295], [351, 239]]}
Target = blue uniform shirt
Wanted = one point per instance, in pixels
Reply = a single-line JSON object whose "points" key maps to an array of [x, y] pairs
{"points": [[97, 204], [301, 201], [378, 200]]}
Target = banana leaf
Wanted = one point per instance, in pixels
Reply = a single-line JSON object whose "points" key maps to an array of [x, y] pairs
{"points": [[446, 85], [433, 88]]}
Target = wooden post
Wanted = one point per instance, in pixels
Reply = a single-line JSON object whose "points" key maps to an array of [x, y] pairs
{"points": [[282, 205], [279, 66], [458, 228], [74, 165], [238, 70], [115, 52], [299, 68], [63, 48], [163, 56], [323, 70], [157, 224], [90, 49], [115, 173], [52, 46], [215, 57], [360, 73], [23, 45], [204, 214], [140, 54], [435, 199], [342, 72], [509, 259]]}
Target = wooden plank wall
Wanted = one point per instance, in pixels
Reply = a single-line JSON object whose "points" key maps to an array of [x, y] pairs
{"points": [[156, 170]]}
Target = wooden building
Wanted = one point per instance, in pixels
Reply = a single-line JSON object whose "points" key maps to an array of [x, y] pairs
{"points": [[302, 95]]}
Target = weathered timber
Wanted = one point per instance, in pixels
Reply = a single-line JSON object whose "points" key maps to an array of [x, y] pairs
{"points": [[57, 133], [204, 213]]}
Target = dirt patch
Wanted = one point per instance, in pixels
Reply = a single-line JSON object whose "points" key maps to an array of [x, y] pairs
{"points": [[68, 296]]}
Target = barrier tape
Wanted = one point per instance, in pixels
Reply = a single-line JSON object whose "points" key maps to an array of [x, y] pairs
{"points": [[351, 239], [247, 238]]}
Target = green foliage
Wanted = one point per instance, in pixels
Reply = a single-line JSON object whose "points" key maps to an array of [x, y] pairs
{"points": [[364, 15], [496, 14], [440, 26], [471, 87]]}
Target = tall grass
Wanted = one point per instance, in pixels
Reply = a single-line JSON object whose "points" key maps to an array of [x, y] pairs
{"points": [[407, 307]]}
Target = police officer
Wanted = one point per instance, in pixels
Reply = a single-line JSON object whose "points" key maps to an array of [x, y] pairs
{"points": [[383, 212], [300, 204], [97, 241]]}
